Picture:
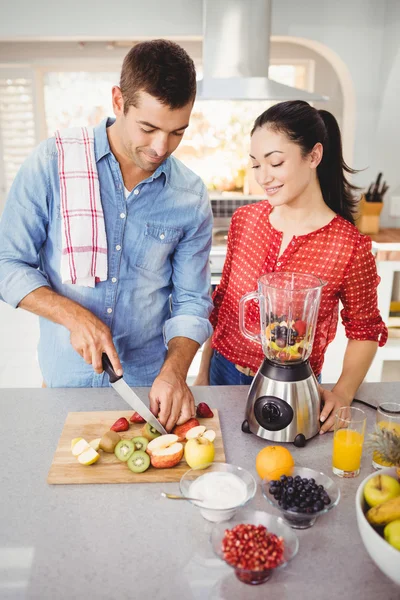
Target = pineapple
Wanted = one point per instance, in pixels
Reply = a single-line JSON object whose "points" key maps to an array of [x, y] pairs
{"points": [[386, 443]]}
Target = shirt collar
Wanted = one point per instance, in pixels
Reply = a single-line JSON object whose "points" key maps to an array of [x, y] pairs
{"points": [[102, 148]]}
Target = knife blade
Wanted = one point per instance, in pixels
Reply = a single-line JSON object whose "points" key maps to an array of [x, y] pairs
{"points": [[123, 389]]}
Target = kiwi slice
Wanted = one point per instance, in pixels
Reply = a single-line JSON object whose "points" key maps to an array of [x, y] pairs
{"points": [[139, 461], [124, 449], [149, 432], [140, 442]]}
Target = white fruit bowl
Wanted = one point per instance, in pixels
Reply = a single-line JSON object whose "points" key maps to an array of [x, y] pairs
{"points": [[382, 553]]}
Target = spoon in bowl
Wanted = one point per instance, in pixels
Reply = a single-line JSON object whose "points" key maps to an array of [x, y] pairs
{"points": [[175, 497]]}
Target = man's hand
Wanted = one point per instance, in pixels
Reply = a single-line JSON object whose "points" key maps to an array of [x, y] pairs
{"points": [[90, 337], [332, 401], [171, 401]]}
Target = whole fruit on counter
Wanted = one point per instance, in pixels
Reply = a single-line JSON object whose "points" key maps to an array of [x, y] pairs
{"points": [[203, 411], [380, 489], [392, 533], [199, 448], [274, 461]]}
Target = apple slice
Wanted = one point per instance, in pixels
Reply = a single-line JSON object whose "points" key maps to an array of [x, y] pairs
{"points": [[163, 441], [80, 447], [200, 434], [195, 432], [165, 458], [181, 430], [88, 457], [75, 441], [209, 435], [95, 444]]}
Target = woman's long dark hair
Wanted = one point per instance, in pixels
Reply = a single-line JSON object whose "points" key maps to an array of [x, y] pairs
{"points": [[306, 126]]}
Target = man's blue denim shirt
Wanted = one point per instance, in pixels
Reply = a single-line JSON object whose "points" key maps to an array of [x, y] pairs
{"points": [[159, 239]]}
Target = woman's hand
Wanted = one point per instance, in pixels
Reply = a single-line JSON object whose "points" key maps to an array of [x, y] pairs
{"points": [[332, 401], [202, 379]]}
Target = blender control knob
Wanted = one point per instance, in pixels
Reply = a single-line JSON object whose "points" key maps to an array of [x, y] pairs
{"points": [[246, 427], [300, 440]]}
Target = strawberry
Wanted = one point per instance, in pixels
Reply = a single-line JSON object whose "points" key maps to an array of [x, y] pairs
{"points": [[204, 411], [120, 425], [136, 418], [300, 327]]}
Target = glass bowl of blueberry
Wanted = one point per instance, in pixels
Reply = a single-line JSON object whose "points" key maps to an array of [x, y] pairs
{"points": [[302, 497]]}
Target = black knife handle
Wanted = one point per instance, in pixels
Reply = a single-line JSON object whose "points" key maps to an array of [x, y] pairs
{"points": [[107, 366]]}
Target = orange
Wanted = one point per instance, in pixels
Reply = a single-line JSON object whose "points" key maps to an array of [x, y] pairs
{"points": [[274, 461]]}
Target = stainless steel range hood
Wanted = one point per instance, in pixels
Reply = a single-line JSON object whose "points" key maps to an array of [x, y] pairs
{"points": [[236, 38]]}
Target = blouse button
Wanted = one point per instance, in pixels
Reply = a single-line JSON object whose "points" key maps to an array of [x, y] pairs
{"points": [[279, 264]]}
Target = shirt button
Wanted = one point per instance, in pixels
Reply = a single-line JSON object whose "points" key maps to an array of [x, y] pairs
{"points": [[122, 215], [114, 279], [136, 191], [162, 236], [109, 310], [119, 186], [118, 247]]}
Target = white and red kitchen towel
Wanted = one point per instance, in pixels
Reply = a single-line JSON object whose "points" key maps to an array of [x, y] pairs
{"points": [[84, 242]]}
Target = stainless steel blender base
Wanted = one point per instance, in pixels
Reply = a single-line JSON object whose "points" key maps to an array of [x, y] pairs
{"points": [[283, 411]]}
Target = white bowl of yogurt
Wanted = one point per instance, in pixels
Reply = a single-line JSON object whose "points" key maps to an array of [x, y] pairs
{"points": [[221, 490]]}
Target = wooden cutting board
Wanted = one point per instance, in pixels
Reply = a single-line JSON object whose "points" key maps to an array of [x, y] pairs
{"points": [[66, 469]]}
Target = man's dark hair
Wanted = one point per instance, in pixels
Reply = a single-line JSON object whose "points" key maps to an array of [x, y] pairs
{"points": [[162, 69]]}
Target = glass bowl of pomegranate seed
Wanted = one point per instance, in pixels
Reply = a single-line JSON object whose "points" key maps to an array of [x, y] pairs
{"points": [[254, 544], [302, 497]]}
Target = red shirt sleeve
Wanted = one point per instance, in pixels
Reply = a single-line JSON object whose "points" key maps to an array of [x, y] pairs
{"points": [[360, 315]]}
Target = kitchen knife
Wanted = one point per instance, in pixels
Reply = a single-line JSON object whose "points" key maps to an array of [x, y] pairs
{"points": [[123, 389]]}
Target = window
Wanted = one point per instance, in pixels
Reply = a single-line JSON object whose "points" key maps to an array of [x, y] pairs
{"points": [[215, 145], [17, 125], [77, 98]]}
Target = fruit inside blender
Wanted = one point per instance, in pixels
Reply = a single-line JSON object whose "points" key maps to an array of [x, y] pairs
{"points": [[287, 340]]}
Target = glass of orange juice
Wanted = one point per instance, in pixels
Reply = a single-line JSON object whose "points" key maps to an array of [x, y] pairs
{"points": [[348, 440], [387, 417]]}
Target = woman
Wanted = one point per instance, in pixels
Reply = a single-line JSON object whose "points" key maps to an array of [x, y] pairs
{"points": [[306, 225]]}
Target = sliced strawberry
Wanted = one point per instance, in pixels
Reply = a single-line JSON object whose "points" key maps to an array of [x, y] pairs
{"points": [[120, 425], [204, 411], [300, 327], [136, 418]]}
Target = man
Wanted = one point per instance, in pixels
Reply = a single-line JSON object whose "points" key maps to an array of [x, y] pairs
{"points": [[158, 225]]}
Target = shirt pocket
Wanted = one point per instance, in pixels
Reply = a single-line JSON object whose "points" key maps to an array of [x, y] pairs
{"points": [[157, 247]]}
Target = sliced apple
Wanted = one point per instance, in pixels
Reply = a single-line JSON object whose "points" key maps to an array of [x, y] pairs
{"points": [[165, 458], [163, 441], [209, 435], [80, 447], [88, 457], [95, 444], [75, 441], [181, 430], [195, 432], [201, 434]]}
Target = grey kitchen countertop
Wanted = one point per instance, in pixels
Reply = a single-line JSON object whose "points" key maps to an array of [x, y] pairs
{"points": [[124, 541]]}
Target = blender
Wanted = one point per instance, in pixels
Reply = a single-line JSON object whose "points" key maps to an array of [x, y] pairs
{"points": [[284, 403]]}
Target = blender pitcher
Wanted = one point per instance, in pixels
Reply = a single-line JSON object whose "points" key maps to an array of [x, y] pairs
{"points": [[283, 403]]}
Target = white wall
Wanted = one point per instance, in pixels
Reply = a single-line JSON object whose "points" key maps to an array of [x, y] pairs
{"points": [[99, 19], [387, 158], [362, 32]]}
